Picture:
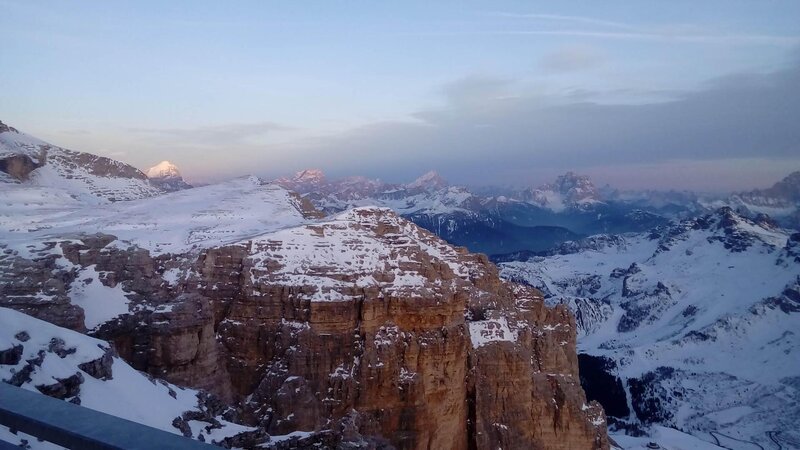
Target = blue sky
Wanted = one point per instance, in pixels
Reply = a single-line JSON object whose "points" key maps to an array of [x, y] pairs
{"points": [[391, 89]]}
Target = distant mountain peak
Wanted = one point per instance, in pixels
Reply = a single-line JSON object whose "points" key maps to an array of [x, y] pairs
{"points": [[304, 181], [781, 200], [568, 190], [164, 169], [309, 176], [166, 176], [573, 185], [429, 180]]}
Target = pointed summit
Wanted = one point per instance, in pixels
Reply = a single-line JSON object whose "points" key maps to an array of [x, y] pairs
{"points": [[167, 176], [429, 181], [164, 169]]}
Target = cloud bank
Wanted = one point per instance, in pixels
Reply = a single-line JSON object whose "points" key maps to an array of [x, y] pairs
{"points": [[486, 132]]}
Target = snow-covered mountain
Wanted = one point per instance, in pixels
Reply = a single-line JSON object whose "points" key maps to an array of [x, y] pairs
{"points": [[166, 176], [304, 180], [693, 325], [784, 193], [781, 201], [332, 196], [51, 170], [428, 181], [164, 169], [567, 191]]}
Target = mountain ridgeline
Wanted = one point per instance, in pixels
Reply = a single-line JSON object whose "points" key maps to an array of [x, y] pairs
{"points": [[530, 219], [503, 222]]}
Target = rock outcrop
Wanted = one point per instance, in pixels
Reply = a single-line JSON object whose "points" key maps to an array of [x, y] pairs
{"points": [[19, 167]]}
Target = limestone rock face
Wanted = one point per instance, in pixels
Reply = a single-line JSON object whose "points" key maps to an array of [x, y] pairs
{"points": [[360, 329]]}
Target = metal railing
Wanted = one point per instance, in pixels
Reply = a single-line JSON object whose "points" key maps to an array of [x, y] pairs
{"points": [[75, 427]]}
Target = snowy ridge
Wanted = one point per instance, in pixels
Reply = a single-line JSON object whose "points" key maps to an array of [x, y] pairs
{"points": [[68, 365], [678, 310]]}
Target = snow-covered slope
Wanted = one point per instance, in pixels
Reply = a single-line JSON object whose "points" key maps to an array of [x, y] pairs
{"points": [[699, 320], [41, 357], [88, 178], [170, 223]]}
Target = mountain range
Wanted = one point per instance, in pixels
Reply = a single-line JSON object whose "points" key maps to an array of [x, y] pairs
{"points": [[534, 219], [240, 315], [308, 312]]}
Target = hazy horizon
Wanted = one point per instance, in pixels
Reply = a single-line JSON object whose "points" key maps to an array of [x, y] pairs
{"points": [[681, 96]]}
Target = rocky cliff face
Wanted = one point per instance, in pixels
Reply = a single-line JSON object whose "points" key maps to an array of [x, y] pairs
{"points": [[364, 328]]}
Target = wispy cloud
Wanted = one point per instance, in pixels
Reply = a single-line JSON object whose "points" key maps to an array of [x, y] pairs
{"points": [[734, 39], [787, 41], [572, 58], [600, 28], [567, 19], [213, 134]]}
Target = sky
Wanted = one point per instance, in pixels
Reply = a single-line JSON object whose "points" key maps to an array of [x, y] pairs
{"points": [[661, 95]]}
